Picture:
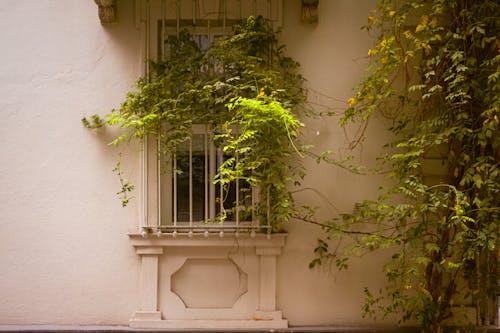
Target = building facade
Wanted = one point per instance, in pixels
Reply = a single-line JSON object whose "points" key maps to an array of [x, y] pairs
{"points": [[71, 255]]}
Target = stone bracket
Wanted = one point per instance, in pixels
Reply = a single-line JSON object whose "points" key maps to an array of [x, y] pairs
{"points": [[107, 11]]}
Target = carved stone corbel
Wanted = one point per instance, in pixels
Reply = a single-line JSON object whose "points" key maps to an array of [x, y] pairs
{"points": [[107, 11], [310, 11]]}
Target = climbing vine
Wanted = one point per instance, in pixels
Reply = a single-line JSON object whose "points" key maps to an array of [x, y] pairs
{"points": [[246, 89], [435, 72]]}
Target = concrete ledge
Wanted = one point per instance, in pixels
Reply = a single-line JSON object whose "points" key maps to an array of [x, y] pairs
{"points": [[210, 325], [302, 329]]}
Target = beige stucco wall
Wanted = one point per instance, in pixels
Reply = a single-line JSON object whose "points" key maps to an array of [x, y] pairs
{"points": [[333, 57], [64, 254]]}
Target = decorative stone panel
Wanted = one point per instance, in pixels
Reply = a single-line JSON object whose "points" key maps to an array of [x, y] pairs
{"points": [[209, 283], [198, 282]]}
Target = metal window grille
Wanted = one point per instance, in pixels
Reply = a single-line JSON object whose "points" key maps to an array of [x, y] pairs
{"points": [[192, 202], [187, 199]]}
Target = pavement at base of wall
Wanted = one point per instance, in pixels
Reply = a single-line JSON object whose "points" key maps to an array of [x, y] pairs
{"points": [[308, 329]]}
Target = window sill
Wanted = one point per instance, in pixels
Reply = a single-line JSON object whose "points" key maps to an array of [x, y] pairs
{"points": [[200, 240]]}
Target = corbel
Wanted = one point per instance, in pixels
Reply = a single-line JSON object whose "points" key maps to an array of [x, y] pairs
{"points": [[107, 11], [310, 11]]}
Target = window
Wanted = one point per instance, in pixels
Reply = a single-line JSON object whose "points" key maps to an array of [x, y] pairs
{"points": [[191, 199], [180, 194]]}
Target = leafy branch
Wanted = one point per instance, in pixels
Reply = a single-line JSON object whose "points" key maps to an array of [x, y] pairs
{"points": [[438, 80]]}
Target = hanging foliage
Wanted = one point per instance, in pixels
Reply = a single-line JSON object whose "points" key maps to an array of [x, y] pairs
{"points": [[249, 93], [435, 72]]}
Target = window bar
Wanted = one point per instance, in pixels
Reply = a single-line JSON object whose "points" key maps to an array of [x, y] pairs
{"points": [[158, 177], [237, 199], [211, 169], [145, 142], [210, 40], [221, 187], [148, 34], [209, 35], [194, 12], [144, 181], [174, 176], [190, 183], [498, 306], [178, 17], [254, 208], [163, 32], [224, 9], [159, 153], [138, 14], [270, 54], [268, 212], [206, 175]]}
